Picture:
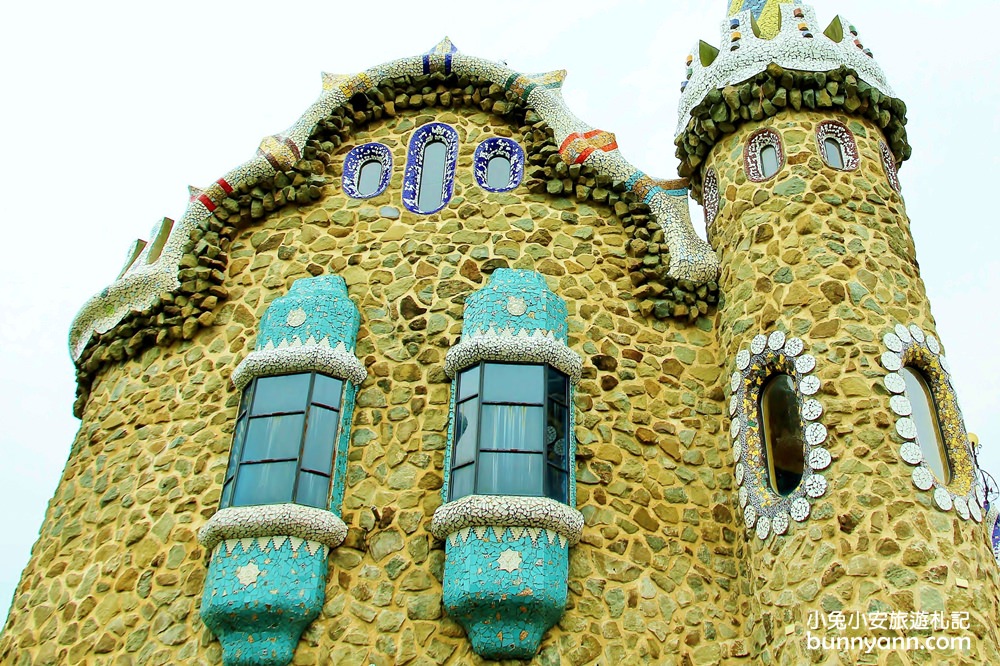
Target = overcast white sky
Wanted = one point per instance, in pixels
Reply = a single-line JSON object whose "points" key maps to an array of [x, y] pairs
{"points": [[113, 109]]}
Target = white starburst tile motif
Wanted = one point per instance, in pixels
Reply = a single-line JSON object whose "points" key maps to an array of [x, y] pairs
{"points": [[812, 409], [816, 485], [922, 478], [900, 405], [776, 340], [763, 527], [892, 342], [976, 512], [911, 453], [743, 359], [743, 496], [917, 333], [894, 383], [800, 509], [805, 363], [815, 434], [750, 515], [758, 344], [891, 362], [509, 560], [809, 385], [779, 524], [933, 344], [961, 507], [247, 574], [903, 334], [735, 381], [794, 347], [943, 499], [819, 459], [905, 428]]}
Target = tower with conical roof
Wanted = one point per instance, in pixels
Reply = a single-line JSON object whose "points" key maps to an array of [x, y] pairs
{"points": [[858, 488], [438, 376]]}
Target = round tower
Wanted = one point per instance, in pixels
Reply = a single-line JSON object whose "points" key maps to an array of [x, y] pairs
{"points": [[857, 482]]}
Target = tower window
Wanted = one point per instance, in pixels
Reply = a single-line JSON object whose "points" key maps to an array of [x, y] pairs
{"points": [[511, 432], [837, 146], [430, 168], [284, 441], [367, 169], [782, 433], [710, 197], [763, 156], [924, 417], [889, 165], [498, 164]]}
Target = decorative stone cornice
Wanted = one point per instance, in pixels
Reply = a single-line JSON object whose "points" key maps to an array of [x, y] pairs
{"points": [[508, 511], [506, 345], [335, 361], [294, 520]]}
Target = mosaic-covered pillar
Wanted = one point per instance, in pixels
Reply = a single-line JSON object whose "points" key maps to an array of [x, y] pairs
{"points": [[267, 577], [507, 555]]}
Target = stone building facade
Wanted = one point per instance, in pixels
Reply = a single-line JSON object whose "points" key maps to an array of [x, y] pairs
{"points": [[658, 532]]}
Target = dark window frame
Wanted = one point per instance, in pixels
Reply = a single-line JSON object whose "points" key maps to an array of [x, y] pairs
{"points": [[245, 416], [545, 484]]}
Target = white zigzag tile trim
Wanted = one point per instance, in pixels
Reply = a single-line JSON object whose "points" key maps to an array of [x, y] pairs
{"points": [[270, 520], [505, 345], [482, 511], [336, 361]]}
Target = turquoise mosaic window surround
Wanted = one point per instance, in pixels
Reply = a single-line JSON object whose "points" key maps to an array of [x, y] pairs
{"points": [[511, 521], [284, 485]]}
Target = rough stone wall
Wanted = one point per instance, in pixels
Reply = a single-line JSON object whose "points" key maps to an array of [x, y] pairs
{"points": [[828, 256], [117, 574]]}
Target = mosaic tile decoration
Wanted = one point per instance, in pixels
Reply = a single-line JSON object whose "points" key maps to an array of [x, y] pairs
{"points": [[260, 595], [765, 512], [889, 166], [358, 157], [910, 346], [267, 521], [691, 258], [506, 589], [710, 197], [498, 147], [415, 163], [992, 523], [751, 154], [831, 129], [499, 512], [312, 327], [784, 43]]}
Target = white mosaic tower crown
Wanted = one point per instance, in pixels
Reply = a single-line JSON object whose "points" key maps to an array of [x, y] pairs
{"points": [[800, 44]]}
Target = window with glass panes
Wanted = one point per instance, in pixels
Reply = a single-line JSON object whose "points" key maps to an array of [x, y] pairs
{"points": [[284, 441], [511, 432]]}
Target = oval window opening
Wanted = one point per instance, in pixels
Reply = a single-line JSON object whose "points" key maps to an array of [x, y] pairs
{"points": [[781, 431], [431, 189], [369, 178], [924, 416], [834, 153], [768, 161], [498, 173]]}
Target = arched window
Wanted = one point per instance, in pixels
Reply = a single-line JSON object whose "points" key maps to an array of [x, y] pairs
{"points": [[431, 196], [710, 197], [833, 154], [511, 432], [430, 168], [782, 433], [769, 161], [924, 417], [367, 169], [369, 177], [763, 156], [498, 172], [284, 441], [498, 164], [837, 146]]}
